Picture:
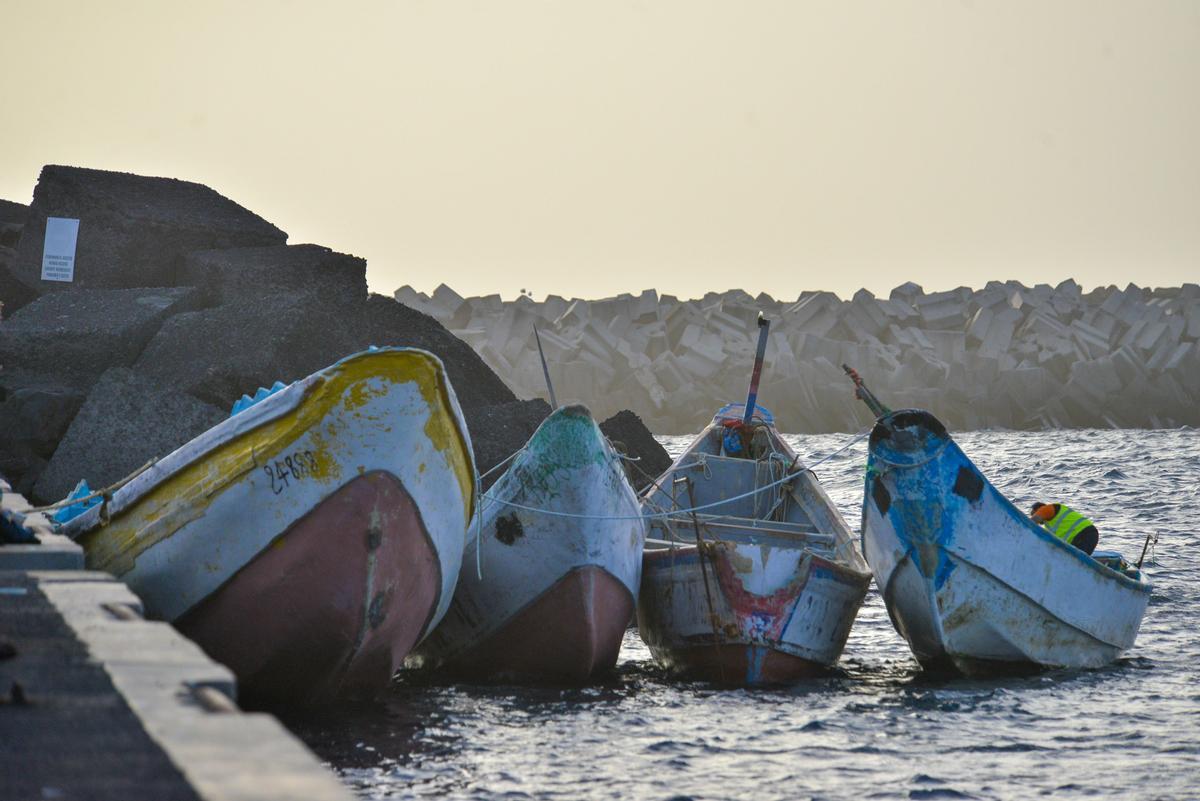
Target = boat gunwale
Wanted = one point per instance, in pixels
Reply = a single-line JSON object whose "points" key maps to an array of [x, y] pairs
{"points": [[271, 409], [1006, 505]]}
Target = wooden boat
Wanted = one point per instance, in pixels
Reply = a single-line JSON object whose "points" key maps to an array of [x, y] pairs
{"points": [[970, 582], [762, 583], [309, 541], [555, 589]]}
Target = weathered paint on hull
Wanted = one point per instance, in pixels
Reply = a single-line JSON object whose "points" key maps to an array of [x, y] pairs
{"points": [[569, 634], [216, 511], [781, 613], [553, 595], [333, 605], [968, 580]]}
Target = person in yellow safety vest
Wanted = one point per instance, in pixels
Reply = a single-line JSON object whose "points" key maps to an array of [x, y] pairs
{"points": [[1068, 525]]}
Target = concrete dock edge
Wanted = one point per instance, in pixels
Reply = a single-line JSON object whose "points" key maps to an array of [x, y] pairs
{"points": [[183, 700]]}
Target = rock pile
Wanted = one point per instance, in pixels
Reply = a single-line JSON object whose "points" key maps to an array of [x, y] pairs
{"points": [[13, 293], [1006, 355], [182, 302]]}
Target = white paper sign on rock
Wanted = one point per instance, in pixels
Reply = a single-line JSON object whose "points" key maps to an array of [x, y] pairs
{"points": [[58, 253]]}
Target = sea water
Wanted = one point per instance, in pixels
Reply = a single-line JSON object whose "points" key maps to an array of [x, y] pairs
{"points": [[876, 727]]}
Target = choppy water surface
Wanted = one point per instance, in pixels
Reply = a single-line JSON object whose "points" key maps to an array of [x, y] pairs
{"points": [[876, 729]]}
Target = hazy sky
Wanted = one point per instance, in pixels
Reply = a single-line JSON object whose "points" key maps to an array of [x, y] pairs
{"points": [[589, 147]]}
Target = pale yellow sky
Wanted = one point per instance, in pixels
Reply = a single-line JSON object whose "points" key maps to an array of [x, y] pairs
{"points": [[589, 147]]}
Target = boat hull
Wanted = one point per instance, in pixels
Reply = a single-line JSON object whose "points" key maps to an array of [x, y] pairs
{"points": [[568, 634], [778, 614], [968, 580], [336, 597], [546, 595], [311, 540]]}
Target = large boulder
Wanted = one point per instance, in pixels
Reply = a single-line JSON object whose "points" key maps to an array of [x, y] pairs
{"points": [[32, 421], [221, 353], [238, 272], [13, 293], [500, 430], [126, 421], [628, 434], [133, 230], [383, 321], [73, 337]]}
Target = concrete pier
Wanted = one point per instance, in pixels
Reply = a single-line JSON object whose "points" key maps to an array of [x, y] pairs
{"points": [[96, 702]]}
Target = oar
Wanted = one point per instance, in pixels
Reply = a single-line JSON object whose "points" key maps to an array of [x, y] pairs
{"points": [[764, 325], [545, 369], [865, 395]]}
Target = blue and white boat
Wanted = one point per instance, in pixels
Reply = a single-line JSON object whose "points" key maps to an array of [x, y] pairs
{"points": [[968, 579]]}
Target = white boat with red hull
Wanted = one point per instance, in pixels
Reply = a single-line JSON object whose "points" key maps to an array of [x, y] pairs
{"points": [[559, 550]]}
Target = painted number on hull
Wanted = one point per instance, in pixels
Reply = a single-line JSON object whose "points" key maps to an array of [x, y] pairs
{"points": [[299, 465]]}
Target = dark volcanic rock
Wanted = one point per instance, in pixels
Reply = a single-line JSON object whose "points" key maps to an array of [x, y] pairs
{"points": [[222, 353], [127, 420], [229, 274], [626, 430], [500, 430], [75, 336], [21, 470], [12, 213], [13, 294], [385, 322], [34, 419], [133, 230]]}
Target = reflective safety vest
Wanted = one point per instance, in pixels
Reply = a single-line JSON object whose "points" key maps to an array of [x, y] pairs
{"points": [[1067, 523]]}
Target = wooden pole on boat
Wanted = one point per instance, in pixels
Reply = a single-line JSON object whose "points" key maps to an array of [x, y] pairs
{"points": [[545, 369], [1146, 546], [865, 395], [764, 325]]}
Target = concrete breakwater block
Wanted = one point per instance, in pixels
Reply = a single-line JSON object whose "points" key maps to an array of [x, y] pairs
{"points": [[13, 293], [219, 354], [133, 230], [126, 420], [75, 336], [959, 350], [232, 273], [382, 321], [32, 421], [229, 308]]}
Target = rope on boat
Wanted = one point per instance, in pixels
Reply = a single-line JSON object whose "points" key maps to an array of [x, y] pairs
{"points": [[105, 494], [665, 515], [501, 463]]}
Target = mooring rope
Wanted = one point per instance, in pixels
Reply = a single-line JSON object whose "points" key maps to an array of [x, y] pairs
{"points": [[665, 515]]}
